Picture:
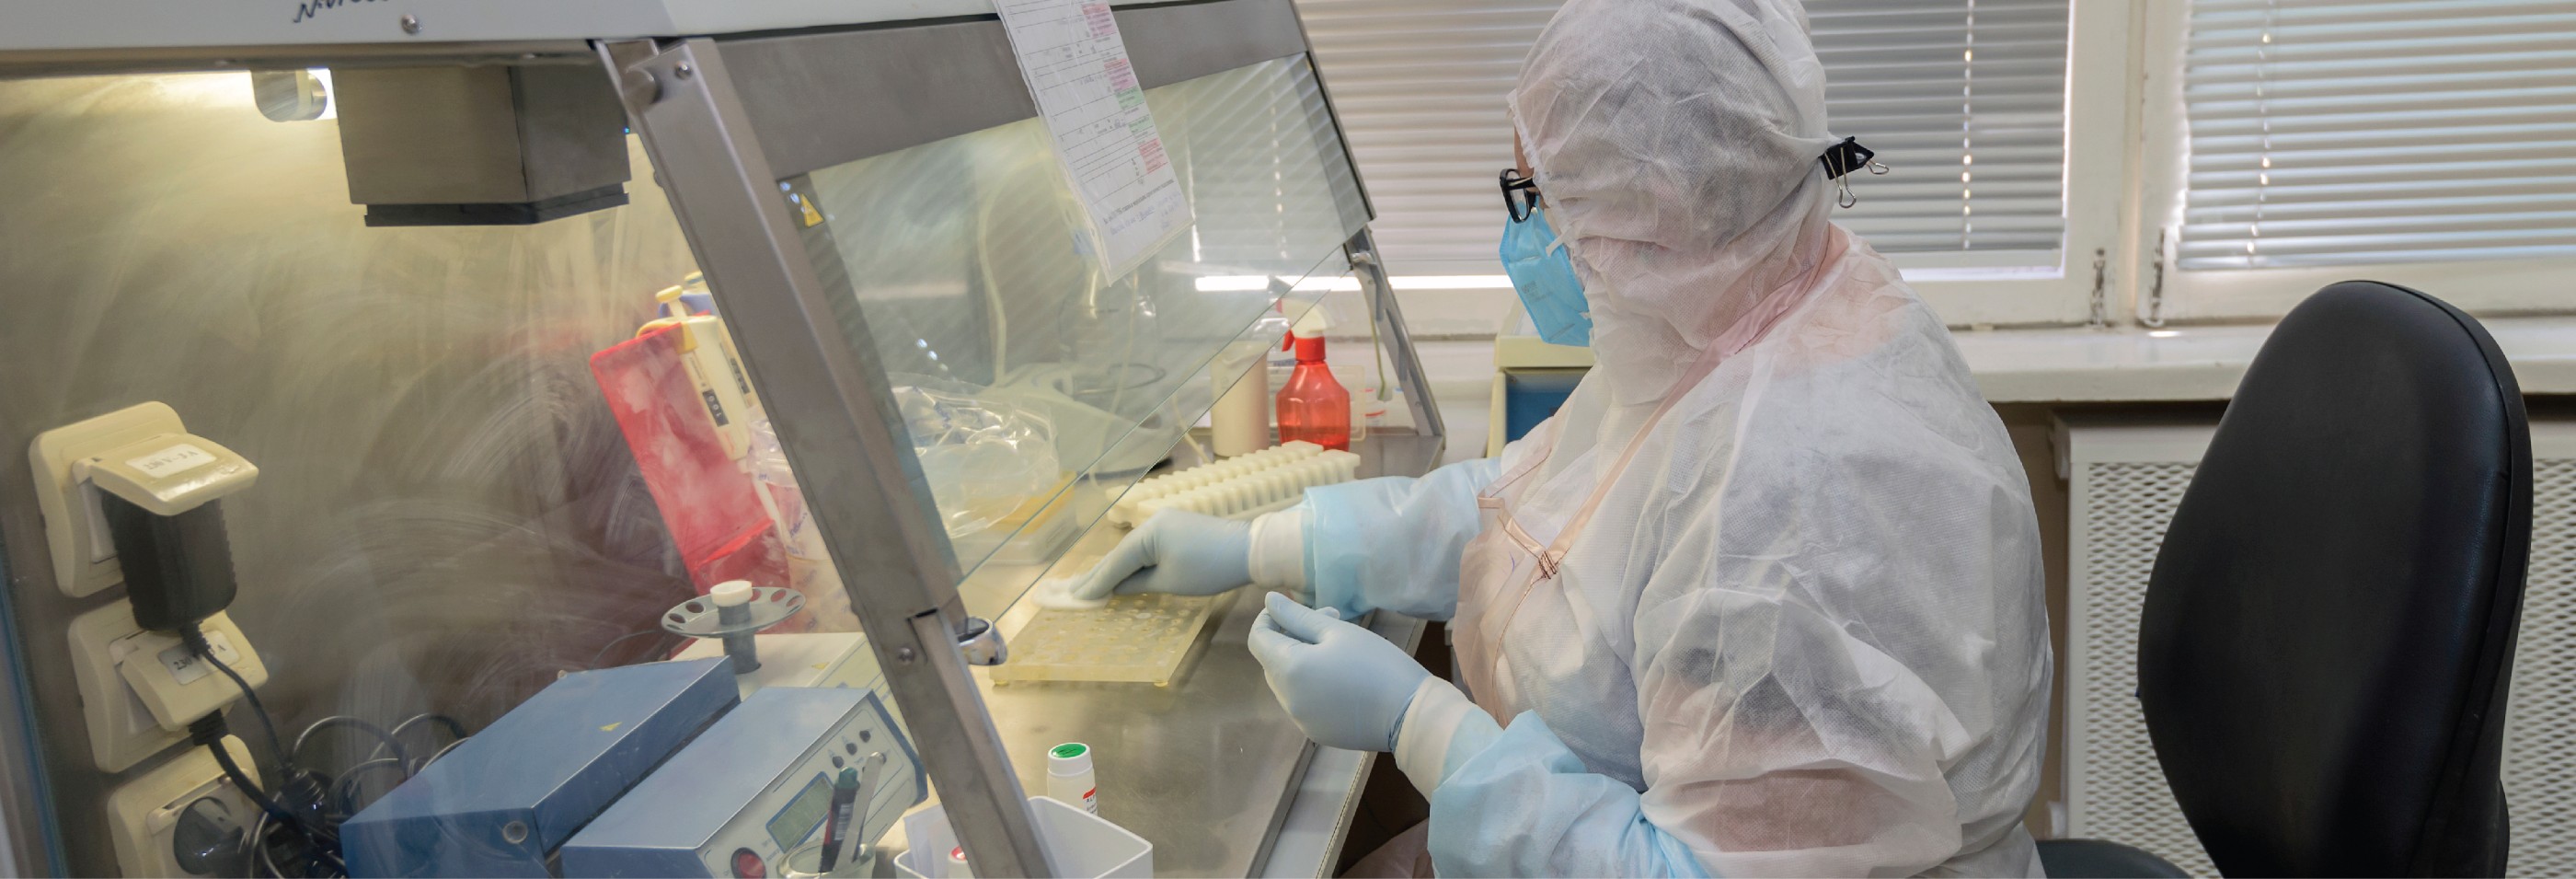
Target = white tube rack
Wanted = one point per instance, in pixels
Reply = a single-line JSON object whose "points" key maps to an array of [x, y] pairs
{"points": [[1241, 487]]}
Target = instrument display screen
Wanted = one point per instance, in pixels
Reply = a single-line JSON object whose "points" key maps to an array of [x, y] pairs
{"points": [[797, 821]]}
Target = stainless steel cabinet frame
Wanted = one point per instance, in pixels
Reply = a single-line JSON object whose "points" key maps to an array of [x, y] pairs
{"points": [[733, 122]]}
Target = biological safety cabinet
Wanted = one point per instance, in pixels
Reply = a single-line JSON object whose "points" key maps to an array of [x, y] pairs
{"points": [[640, 364]]}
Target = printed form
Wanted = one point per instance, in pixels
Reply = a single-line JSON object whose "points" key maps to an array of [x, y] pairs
{"points": [[1087, 92]]}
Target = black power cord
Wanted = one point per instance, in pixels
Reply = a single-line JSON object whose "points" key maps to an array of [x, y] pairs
{"points": [[210, 732], [455, 728], [315, 851], [345, 791], [455, 733], [305, 818], [195, 638], [309, 805], [383, 739]]}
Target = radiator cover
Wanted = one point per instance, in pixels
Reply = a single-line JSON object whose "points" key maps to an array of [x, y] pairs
{"points": [[2124, 482]]}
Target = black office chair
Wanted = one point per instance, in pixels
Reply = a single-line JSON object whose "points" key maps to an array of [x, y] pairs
{"points": [[2328, 633]]}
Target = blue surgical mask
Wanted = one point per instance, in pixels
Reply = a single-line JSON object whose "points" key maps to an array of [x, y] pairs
{"points": [[1544, 277]]}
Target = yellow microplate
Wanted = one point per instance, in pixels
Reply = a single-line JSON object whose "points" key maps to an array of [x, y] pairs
{"points": [[1136, 638]]}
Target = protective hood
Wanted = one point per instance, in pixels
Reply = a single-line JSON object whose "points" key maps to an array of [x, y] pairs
{"points": [[1676, 142]]}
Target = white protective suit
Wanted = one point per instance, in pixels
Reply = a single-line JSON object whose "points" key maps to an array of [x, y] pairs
{"points": [[1764, 597]]}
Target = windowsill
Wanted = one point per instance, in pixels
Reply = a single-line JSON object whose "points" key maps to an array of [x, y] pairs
{"points": [[2076, 365], [2126, 365]]}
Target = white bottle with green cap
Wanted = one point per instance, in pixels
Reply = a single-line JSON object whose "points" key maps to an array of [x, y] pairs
{"points": [[1069, 777]]}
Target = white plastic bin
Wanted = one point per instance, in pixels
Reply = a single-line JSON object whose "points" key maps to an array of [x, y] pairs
{"points": [[1083, 844]]}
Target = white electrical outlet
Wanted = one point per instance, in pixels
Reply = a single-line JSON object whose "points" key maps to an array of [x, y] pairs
{"points": [[173, 820], [139, 690], [142, 454], [75, 531]]}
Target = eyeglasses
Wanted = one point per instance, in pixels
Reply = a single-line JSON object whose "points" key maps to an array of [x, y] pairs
{"points": [[1520, 207]]}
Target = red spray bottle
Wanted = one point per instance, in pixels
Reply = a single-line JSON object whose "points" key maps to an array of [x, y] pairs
{"points": [[1312, 406]]}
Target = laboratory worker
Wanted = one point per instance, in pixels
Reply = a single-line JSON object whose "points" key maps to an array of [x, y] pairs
{"points": [[1763, 597]]}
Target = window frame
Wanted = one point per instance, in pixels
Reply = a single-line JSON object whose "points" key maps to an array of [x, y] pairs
{"points": [[2099, 87], [2168, 293], [1971, 288]]}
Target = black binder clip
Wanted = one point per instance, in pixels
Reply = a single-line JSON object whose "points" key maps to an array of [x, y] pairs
{"points": [[1843, 158]]}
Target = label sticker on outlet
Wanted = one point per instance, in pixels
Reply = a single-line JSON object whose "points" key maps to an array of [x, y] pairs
{"points": [[186, 668], [179, 458]]}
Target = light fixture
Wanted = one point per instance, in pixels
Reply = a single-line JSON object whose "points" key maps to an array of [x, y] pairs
{"points": [[293, 95]]}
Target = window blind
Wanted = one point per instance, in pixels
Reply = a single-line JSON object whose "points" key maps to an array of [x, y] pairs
{"points": [[1963, 99], [2338, 133], [1419, 85]]}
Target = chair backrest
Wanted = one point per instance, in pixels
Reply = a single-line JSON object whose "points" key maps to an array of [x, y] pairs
{"points": [[2330, 626]]}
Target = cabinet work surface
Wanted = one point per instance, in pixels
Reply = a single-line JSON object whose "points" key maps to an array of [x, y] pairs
{"points": [[1208, 768]]}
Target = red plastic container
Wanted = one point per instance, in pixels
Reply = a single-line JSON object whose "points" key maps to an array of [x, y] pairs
{"points": [[1312, 406], [705, 498]]}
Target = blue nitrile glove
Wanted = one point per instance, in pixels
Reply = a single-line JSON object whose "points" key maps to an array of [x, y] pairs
{"points": [[1344, 685], [1175, 552]]}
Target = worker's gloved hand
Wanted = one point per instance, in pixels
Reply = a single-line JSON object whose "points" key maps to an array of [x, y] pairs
{"points": [[1175, 552], [1344, 685]]}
